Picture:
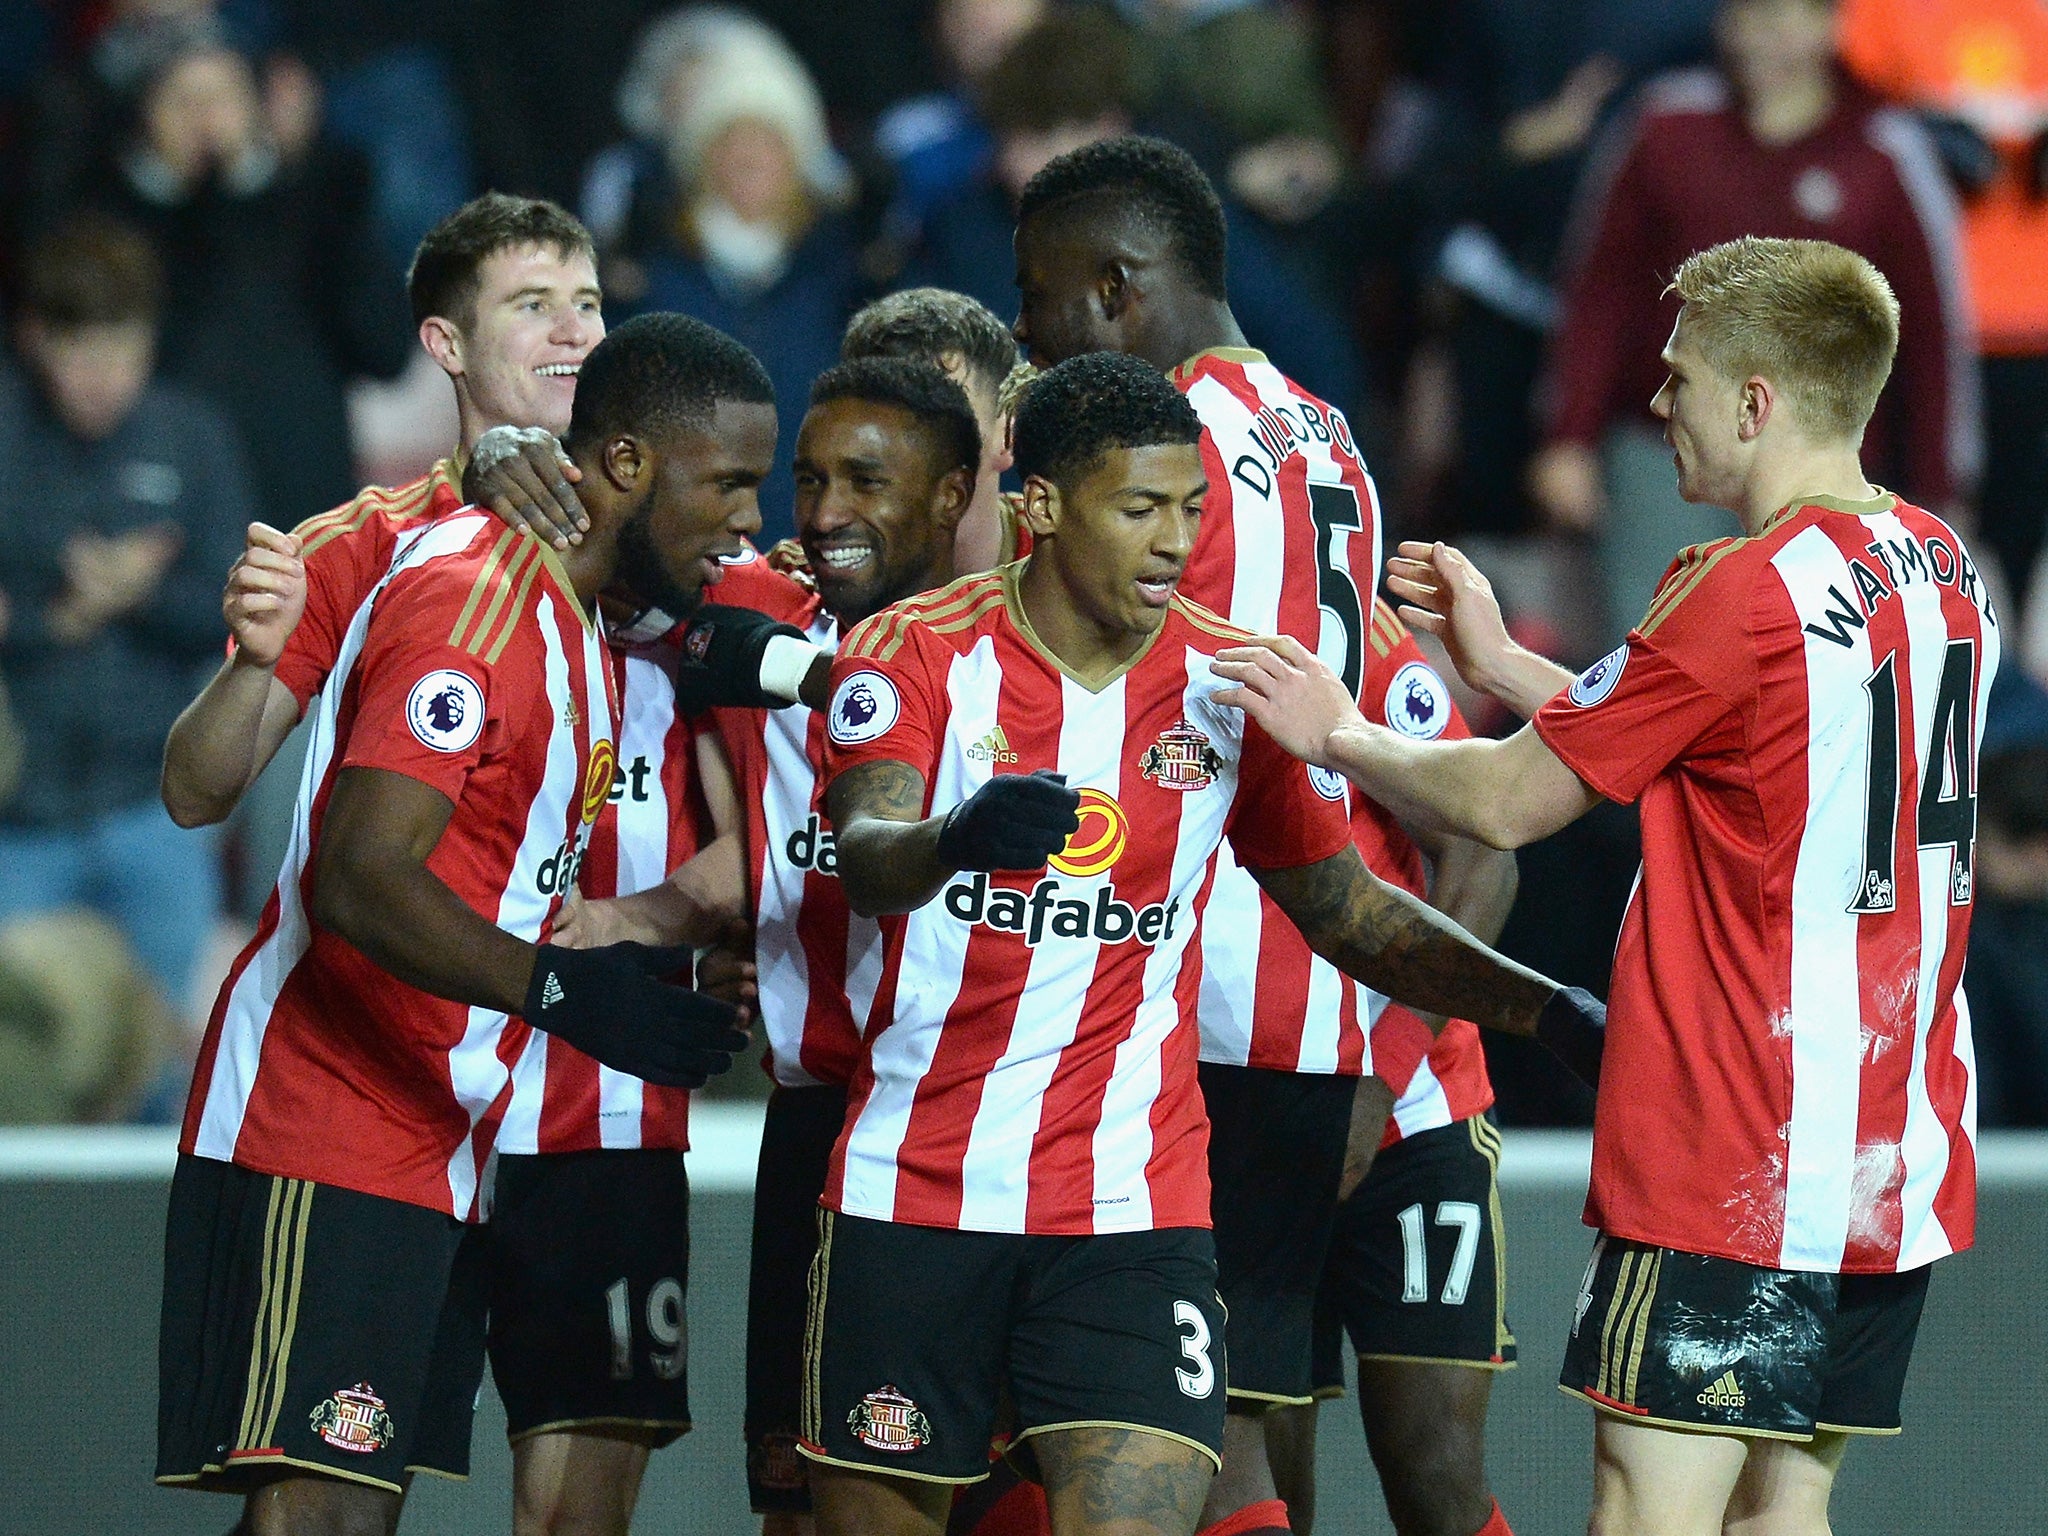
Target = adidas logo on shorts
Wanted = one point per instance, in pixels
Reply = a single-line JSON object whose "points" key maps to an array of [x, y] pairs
{"points": [[1724, 1394]]}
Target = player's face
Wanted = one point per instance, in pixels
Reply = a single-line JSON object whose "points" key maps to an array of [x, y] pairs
{"points": [[978, 542], [1700, 408], [537, 317], [1122, 533], [874, 513], [1059, 314], [704, 501]]}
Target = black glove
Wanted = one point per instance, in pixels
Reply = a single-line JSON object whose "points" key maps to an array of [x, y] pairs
{"points": [[1014, 821], [1971, 160], [608, 1004], [1574, 1025], [722, 654]]}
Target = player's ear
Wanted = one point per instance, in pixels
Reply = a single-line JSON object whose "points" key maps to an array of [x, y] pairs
{"points": [[443, 343], [625, 466], [1759, 401], [1041, 505], [1113, 290], [951, 496]]}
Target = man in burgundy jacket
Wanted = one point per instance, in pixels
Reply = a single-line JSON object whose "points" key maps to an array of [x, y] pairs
{"points": [[1776, 142]]}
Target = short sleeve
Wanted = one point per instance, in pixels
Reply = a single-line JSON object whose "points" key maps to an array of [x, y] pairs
{"points": [[425, 706], [1286, 814], [342, 569], [1637, 709], [883, 707]]}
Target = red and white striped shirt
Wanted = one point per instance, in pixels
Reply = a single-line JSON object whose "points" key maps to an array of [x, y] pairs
{"points": [[565, 1101], [1290, 545], [1789, 1079], [1030, 1061], [818, 962], [472, 668]]}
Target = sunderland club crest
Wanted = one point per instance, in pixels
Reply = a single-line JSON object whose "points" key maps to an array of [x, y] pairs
{"points": [[886, 1420], [354, 1419], [1181, 759]]}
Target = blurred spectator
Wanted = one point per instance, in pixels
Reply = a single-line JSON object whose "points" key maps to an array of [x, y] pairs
{"points": [[1774, 142], [2007, 979], [937, 143], [278, 289], [1980, 70], [1251, 70], [124, 503], [745, 226], [1065, 83]]}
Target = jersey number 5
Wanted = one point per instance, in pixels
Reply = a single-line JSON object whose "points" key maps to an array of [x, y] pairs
{"points": [[1334, 509], [1945, 813]]}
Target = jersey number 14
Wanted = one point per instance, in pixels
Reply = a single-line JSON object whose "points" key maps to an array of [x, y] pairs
{"points": [[1945, 812]]}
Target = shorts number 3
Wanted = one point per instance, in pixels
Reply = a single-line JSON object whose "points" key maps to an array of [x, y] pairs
{"points": [[1194, 1343]]}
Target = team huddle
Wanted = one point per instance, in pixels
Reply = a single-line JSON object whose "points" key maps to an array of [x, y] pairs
{"points": [[1109, 873]]}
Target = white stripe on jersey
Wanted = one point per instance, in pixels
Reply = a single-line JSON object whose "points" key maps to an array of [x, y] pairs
{"points": [[1825, 1023], [1424, 1106], [784, 970], [647, 712], [995, 1175], [250, 1005], [474, 1067], [1260, 551], [934, 958]]}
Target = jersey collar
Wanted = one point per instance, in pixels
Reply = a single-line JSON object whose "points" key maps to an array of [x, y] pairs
{"points": [[1009, 574], [1222, 355], [1883, 501]]}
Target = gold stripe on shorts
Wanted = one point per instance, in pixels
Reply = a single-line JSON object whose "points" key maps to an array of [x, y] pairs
{"points": [[1487, 1140], [281, 1368], [1642, 1329], [811, 1412], [277, 1305], [1630, 1303]]}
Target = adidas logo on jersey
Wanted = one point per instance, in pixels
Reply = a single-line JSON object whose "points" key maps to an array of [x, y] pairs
{"points": [[1042, 909], [811, 846], [1723, 1394], [551, 991], [992, 748]]}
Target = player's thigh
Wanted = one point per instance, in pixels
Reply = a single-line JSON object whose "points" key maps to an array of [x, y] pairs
{"points": [[1785, 1487], [1425, 1425], [904, 1352], [1653, 1481], [1276, 1151], [319, 1506], [797, 1136], [1110, 1481], [311, 1329], [847, 1501], [590, 1255], [577, 1482], [1121, 1331]]}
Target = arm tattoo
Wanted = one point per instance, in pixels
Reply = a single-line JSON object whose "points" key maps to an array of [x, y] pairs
{"points": [[888, 849], [885, 790], [1399, 945]]}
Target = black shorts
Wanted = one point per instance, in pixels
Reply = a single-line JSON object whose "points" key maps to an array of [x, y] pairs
{"points": [[796, 1148], [1417, 1268], [589, 1261], [316, 1328], [1680, 1339], [1276, 1153], [915, 1332]]}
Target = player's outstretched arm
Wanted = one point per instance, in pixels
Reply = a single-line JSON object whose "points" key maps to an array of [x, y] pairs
{"points": [[893, 858], [371, 886], [228, 735], [1444, 594], [1401, 946], [1501, 793]]}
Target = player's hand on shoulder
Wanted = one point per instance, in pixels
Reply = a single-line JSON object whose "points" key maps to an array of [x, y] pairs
{"points": [[1295, 698], [265, 595], [611, 1003], [740, 658], [522, 475], [1573, 1024], [1014, 821]]}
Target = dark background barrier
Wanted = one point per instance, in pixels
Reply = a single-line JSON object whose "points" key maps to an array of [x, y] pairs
{"points": [[81, 1223]]}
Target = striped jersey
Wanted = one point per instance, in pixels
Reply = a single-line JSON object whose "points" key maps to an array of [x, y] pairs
{"points": [[818, 962], [1290, 545], [567, 1101], [473, 669], [1789, 1080], [1030, 1054]]}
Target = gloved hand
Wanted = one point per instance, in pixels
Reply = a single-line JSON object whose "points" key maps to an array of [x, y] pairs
{"points": [[1971, 160], [735, 658], [1014, 821], [608, 1003], [1574, 1025]]}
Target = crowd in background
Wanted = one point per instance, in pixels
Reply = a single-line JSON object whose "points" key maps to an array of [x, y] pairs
{"points": [[1453, 218]]}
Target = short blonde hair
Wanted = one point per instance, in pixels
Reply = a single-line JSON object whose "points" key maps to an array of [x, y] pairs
{"points": [[1818, 321]]}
